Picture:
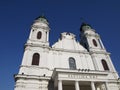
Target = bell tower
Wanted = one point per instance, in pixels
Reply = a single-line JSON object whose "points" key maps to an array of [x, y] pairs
{"points": [[90, 39], [33, 70], [93, 43], [39, 32]]}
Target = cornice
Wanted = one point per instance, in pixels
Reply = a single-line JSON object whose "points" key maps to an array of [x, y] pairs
{"points": [[94, 35], [71, 51], [99, 52], [42, 27], [25, 76]]}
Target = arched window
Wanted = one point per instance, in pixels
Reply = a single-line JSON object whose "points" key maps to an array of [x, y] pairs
{"points": [[39, 35], [105, 66], [72, 63], [94, 42], [35, 59]]}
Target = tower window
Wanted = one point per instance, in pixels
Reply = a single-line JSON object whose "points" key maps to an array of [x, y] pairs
{"points": [[104, 63], [35, 59], [94, 42], [39, 35], [72, 64]]}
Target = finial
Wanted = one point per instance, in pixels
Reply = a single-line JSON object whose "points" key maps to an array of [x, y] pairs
{"points": [[43, 15], [82, 20], [84, 24]]}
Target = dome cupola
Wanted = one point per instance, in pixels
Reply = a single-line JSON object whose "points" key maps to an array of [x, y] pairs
{"points": [[85, 26], [41, 19]]}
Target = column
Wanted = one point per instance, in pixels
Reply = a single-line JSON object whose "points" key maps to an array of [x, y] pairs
{"points": [[59, 84], [106, 85], [77, 85], [94, 62], [92, 85], [101, 44], [47, 36]]}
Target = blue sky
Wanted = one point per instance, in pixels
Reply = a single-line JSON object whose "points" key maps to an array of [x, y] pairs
{"points": [[16, 17]]}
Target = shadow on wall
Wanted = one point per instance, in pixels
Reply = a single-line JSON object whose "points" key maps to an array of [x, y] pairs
{"points": [[51, 85]]}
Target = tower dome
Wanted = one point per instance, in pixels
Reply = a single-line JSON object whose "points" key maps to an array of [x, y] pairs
{"points": [[41, 19], [85, 26]]}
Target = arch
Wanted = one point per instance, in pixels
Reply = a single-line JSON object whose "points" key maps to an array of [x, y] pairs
{"points": [[72, 63], [35, 59], [39, 35], [94, 42], [105, 65]]}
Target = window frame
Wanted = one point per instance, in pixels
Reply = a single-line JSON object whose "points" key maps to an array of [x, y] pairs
{"points": [[39, 35], [72, 63], [104, 64], [36, 59], [94, 42]]}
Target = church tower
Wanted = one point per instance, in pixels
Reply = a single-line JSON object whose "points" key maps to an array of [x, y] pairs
{"points": [[93, 43], [34, 63], [90, 39], [39, 32]]}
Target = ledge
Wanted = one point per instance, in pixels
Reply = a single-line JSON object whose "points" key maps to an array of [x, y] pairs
{"points": [[24, 76]]}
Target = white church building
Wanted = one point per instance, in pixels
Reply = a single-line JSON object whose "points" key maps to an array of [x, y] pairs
{"points": [[67, 64]]}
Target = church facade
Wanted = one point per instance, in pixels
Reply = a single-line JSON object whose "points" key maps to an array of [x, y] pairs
{"points": [[68, 64]]}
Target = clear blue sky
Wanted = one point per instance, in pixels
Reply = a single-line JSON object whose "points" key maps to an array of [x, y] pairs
{"points": [[16, 17]]}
